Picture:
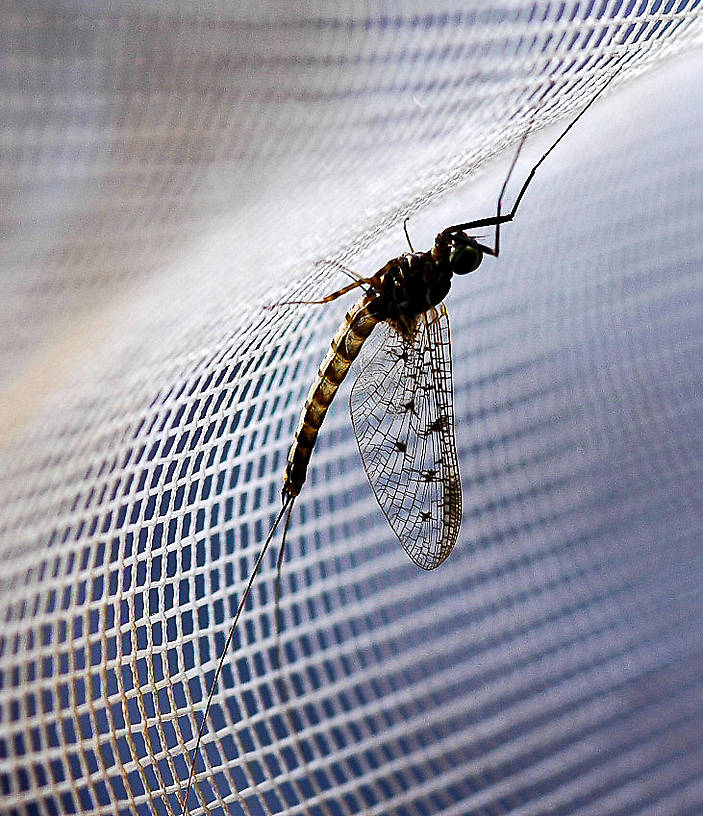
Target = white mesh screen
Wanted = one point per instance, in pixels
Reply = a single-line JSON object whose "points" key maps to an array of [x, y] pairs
{"points": [[169, 168]]}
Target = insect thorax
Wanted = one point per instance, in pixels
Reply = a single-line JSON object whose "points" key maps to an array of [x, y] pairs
{"points": [[414, 283]]}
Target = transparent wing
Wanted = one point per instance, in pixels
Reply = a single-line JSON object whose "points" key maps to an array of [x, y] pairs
{"points": [[403, 416]]}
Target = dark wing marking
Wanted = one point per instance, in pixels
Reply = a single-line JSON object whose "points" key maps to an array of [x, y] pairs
{"points": [[403, 416]]}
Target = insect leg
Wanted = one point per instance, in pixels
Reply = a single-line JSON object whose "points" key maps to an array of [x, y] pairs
{"points": [[347, 271], [498, 218], [329, 298], [405, 230]]}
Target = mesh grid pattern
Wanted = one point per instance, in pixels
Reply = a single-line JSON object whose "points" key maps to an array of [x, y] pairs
{"points": [[166, 173]]}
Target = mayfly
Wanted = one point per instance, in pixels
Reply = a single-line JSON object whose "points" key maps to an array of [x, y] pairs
{"points": [[402, 402]]}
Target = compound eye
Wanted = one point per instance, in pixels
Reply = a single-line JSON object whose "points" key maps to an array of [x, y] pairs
{"points": [[465, 259]]}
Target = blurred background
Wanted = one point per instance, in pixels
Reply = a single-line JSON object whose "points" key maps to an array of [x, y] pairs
{"points": [[166, 171]]}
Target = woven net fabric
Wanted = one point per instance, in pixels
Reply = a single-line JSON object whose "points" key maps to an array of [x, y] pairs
{"points": [[170, 170]]}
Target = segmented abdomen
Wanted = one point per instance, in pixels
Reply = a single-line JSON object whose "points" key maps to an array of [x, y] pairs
{"points": [[346, 345]]}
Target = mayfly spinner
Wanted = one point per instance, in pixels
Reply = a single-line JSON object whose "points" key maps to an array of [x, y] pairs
{"points": [[402, 402]]}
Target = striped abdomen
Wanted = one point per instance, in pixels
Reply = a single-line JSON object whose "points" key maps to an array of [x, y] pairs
{"points": [[346, 345]]}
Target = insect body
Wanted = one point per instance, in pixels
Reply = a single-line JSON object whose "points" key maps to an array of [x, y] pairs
{"points": [[401, 404], [402, 401]]}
